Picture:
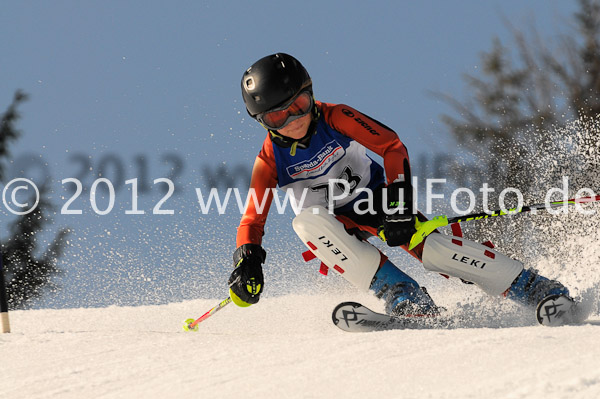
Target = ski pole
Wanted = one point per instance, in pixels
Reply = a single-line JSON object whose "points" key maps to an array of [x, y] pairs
{"points": [[426, 228], [4, 321], [192, 325]]}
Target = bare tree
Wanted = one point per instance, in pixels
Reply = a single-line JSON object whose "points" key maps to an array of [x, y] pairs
{"points": [[531, 117], [526, 93]]}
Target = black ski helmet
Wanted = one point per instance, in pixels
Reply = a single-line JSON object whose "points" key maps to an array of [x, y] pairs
{"points": [[273, 80]]}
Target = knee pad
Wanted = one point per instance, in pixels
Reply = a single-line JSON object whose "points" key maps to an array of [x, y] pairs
{"points": [[492, 271], [357, 261]]}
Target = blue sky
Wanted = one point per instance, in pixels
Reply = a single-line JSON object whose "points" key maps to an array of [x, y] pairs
{"points": [[134, 83]]}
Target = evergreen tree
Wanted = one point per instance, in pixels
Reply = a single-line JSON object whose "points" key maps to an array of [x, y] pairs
{"points": [[27, 274], [8, 132]]}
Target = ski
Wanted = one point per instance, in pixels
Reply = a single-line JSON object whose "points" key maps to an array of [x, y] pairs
{"points": [[354, 317], [559, 310], [552, 311]]}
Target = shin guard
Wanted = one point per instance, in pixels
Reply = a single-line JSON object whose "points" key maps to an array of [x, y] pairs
{"points": [[492, 271], [357, 261]]}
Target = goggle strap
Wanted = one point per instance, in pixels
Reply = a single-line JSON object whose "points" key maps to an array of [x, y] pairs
{"points": [[293, 148]]}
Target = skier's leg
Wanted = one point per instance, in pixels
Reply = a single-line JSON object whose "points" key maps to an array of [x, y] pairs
{"points": [[492, 271], [359, 262]]}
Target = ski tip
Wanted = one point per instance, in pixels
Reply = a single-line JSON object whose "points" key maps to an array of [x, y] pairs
{"points": [[354, 317], [560, 310], [334, 314]]}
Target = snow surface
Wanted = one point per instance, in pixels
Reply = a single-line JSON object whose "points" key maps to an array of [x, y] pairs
{"points": [[287, 347]]}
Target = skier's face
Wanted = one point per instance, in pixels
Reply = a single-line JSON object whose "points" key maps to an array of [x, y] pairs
{"points": [[297, 128]]}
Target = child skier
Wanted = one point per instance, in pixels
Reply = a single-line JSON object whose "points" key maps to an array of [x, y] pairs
{"points": [[318, 150]]}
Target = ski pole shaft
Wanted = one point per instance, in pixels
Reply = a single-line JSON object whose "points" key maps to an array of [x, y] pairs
{"points": [[528, 208], [206, 315], [426, 228]]}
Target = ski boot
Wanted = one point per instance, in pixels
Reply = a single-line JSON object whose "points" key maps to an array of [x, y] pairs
{"points": [[402, 295], [551, 299]]}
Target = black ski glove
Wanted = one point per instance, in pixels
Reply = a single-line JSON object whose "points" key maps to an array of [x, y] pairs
{"points": [[246, 281], [399, 219]]}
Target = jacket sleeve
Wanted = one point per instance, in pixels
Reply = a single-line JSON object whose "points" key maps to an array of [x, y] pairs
{"points": [[370, 133], [264, 179]]}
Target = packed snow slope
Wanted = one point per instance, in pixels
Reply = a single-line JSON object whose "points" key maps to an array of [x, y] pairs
{"points": [[287, 347]]}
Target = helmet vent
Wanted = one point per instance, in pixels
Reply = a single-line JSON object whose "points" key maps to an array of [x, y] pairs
{"points": [[250, 84]]}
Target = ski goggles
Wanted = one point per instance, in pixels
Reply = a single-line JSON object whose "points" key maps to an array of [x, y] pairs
{"points": [[280, 117]]}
